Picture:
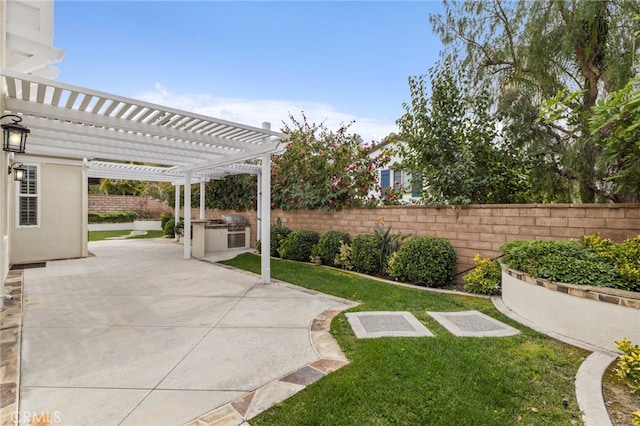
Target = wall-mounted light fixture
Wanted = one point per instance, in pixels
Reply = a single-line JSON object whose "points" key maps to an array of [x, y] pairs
{"points": [[19, 171], [14, 137]]}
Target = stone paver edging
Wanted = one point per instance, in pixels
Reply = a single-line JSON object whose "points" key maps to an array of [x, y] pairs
{"points": [[10, 335], [238, 411]]}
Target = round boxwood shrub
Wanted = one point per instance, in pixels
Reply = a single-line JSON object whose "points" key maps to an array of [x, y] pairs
{"points": [[278, 234], [164, 218], [365, 253], [298, 245], [426, 261], [328, 246]]}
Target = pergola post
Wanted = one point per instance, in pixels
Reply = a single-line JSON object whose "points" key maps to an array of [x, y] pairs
{"points": [[187, 215], [177, 210], [259, 208], [265, 264], [202, 203]]}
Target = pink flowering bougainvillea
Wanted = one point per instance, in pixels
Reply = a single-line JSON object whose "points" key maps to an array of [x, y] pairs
{"points": [[324, 169]]}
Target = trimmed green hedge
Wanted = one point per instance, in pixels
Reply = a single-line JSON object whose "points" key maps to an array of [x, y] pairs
{"points": [[426, 261], [298, 245], [112, 217], [328, 246]]}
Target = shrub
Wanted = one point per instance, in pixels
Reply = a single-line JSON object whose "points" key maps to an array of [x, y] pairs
{"points": [[365, 253], [485, 278], [112, 217], [164, 218], [561, 261], [624, 258], [170, 227], [427, 261], [298, 245], [278, 234], [628, 365], [344, 257], [328, 246]]}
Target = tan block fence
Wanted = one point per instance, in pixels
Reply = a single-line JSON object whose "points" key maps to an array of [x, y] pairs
{"points": [[474, 229]]}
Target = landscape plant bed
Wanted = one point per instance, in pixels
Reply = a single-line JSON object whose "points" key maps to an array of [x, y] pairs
{"points": [[620, 402], [443, 379]]}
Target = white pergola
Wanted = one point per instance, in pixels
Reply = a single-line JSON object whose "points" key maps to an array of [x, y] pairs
{"points": [[105, 130]]}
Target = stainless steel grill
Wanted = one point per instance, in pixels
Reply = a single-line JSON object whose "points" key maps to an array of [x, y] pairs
{"points": [[236, 225], [234, 222]]}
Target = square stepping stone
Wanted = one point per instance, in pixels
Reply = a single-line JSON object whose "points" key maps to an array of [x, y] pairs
{"points": [[473, 324], [386, 324]]}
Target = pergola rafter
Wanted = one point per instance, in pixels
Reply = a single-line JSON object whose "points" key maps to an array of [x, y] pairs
{"points": [[108, 132]]}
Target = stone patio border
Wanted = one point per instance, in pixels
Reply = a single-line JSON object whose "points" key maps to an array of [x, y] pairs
{"points": [[10, 344], [244, 408]]}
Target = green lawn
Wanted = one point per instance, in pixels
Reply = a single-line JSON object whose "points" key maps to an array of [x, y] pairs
{"points": [[441, 380], [103, 235]]}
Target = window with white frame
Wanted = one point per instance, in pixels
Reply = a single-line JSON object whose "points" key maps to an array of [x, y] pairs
{"points": [[29, 198]]}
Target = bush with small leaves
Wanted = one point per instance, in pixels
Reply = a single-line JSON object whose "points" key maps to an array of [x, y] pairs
{"points": [[344, 257], [164, 218], [485, 278], [278, 234], [628, 365], [365, 254], [426, 261], [624, 258], [298, 245], [112, 217], [561, 261], [328, 246]]}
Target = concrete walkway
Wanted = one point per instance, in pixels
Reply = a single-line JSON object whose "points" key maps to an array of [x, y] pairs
{"points": [[138, 336]]}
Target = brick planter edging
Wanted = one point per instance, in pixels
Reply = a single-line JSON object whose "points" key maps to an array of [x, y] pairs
{"points": [[615, 296]]}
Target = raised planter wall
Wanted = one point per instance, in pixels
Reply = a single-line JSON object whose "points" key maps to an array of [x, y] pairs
{"points": [[136, 225], [594, 315]]}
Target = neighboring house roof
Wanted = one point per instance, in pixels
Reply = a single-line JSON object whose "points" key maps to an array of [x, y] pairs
{"points": [[73, 122]]}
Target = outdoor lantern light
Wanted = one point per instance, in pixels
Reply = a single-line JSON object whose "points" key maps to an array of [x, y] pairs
{"points": [[19, 172], [14, 135]]}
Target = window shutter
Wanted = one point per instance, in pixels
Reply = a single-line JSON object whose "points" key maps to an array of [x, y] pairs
{"points": [[416, 183], [385, 181]]}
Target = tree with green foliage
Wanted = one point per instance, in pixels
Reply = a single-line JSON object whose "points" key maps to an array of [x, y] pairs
{"points": [[452, 139], [528, 52]]}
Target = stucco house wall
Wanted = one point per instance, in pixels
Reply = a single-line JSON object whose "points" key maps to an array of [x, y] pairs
{"points": [[59, 233]]}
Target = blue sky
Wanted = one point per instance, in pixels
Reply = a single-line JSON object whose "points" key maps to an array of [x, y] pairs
{"points": [[253, 61]]}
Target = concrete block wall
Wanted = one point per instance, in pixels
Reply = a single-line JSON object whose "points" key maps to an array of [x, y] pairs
{"points": [[474, 229], [478, 229], [145, 207]]}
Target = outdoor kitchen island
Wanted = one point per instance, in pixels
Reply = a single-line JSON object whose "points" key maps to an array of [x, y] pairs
{"points": [[213, 235]]}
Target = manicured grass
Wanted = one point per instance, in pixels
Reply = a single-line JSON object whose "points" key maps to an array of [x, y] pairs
{"points": [[441, 380], [103, 235], [149, 234]]}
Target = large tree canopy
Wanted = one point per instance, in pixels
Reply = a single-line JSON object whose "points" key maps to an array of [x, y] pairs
{"points": [[529, 51], [454, 141]]}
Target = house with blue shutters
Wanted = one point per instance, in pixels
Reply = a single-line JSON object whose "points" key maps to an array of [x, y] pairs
{"points": [[393, 175]]}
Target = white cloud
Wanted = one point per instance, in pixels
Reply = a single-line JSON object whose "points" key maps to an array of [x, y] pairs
{"points": [[255, 112]]}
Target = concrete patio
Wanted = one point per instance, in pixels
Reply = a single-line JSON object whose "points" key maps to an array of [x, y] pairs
{"points": [[138, 336]]}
